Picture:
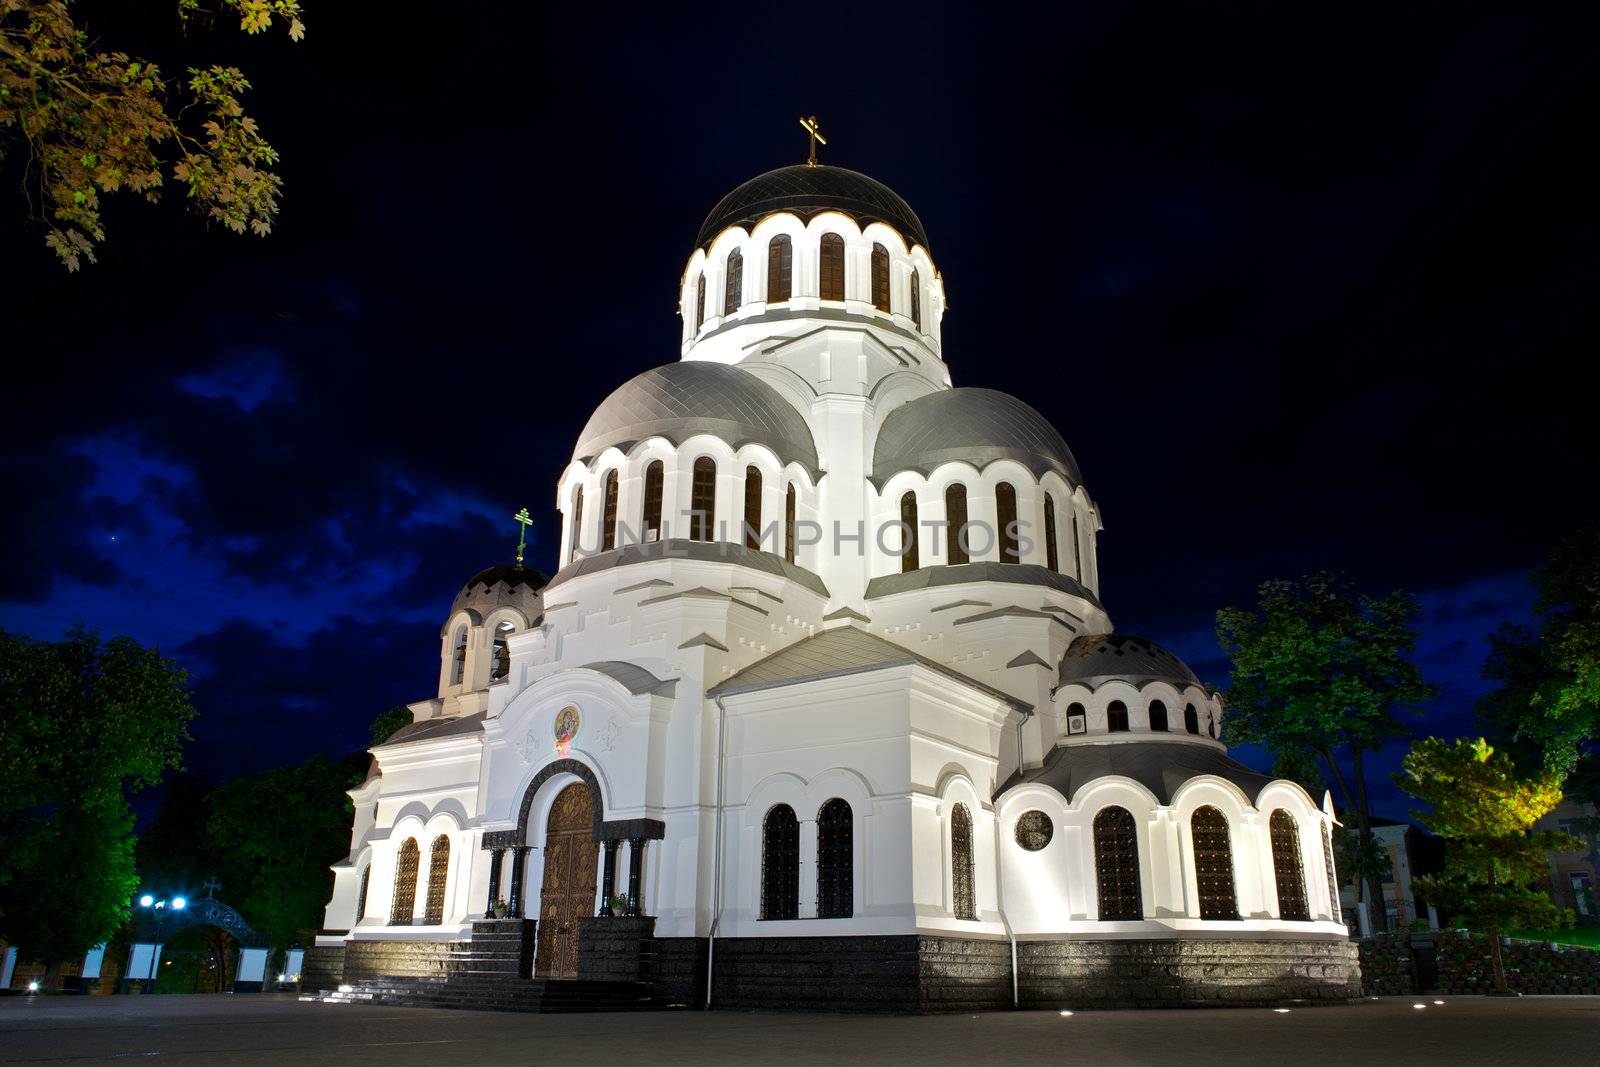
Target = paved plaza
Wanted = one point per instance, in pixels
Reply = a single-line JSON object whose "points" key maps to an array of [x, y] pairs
{"points": [[280, 1030]]}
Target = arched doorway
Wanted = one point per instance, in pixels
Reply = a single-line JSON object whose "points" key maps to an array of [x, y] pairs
{"points": [[571, 862]]}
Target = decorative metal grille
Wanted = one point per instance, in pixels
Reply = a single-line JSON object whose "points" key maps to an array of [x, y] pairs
{"points": [[780, 864], [1286, 866], [733, 286], [955, 513], [1117, 717], [703, 499], [880, 278], [788, 524], [608, 535], [1191, 719], [1034, 830], [700, 302], [405, 883], [831, 267], [916, 299], [1158, 716], [1213, 864], [654, 476], [438, 868], [1051, 559], [361, 897], [1116, 864], [780, 261], [1333, 879], [908, 519], [752, 507], [835, 861], [1005, 505], [1077, 551], [962, 895]]}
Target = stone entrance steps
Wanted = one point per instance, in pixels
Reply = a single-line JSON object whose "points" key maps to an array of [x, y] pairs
{"points": [[493, 992]]}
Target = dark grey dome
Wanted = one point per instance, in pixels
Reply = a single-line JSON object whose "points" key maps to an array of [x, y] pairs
{"points": [[1096, 658], [975, 425], [809, 191], [682, 399], [507, 585]]}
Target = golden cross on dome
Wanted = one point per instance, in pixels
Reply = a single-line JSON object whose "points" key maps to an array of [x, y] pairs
{"points": [[523, 521], [816, 135]]}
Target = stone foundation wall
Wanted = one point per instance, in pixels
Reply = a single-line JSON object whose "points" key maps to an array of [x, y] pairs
{"points": [[616, 949], [1462, 965], [1221, 972], [964, 974], [322, 968], [366, 960], [680, 971]]}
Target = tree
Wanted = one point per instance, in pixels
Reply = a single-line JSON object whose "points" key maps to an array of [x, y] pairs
{"points": [[83, 724], [1319, 669], [1365, 861], [95, 123], [386, 724], [1493, 857]]}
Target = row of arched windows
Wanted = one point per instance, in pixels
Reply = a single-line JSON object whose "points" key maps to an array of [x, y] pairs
{"points": [[1007, 531], [780, 862], [702, 508], [830, 278], [1117, 718], [1116, 862], [405, 883]]}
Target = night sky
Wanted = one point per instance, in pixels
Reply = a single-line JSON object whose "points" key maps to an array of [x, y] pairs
{"points": [[1300, 294]]}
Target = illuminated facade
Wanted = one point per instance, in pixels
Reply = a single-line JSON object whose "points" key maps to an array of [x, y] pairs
{"points": [[799, 717]]}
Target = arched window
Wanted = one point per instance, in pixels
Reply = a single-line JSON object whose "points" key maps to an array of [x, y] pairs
{"points": [[1116, 865], [1158, 716], [961, 863], [733, 283], [577, 521], [1051, 559], [699, 302], [438, 868], [1333, 879], [1213, 864], [880, 277], [916, 299], [1191, 719], [703, 499], [1117, 717], [608, 533], [835, 861], [405, 883], [361, 895], [1005, 506], [788, 524], [955, 513], [830, 281], [780, 268], [752, 508], [458, 669], [654, 475], [780, 864], [1077, 551], [908, 518], [502, 651], [1077, 719], [1287, 868]]}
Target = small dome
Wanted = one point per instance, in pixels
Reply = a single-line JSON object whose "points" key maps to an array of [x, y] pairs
{"points": [[1096, 658], [507, 585], [680, 400], [975, 425], [809, 191]]}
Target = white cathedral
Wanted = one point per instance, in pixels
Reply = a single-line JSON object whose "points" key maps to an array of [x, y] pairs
{"points": [[822, 707]]}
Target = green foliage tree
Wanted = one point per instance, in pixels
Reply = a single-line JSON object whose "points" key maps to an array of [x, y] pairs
{"points": [[386, 724], [1493, 857], [83, 724], [1365, 861], [94, 123], [1322, 670]]}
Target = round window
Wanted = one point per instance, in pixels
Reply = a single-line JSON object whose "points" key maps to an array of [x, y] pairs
{"points": [[1034, 830]]}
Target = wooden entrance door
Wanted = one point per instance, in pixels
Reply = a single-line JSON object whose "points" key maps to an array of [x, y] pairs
{"points": [[571, 861]]}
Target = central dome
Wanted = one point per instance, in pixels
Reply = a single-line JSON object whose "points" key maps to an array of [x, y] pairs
{"points": [[806, 191], [680, 400]]}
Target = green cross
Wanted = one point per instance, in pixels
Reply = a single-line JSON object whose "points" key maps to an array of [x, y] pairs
{"points": [[523, 520]]}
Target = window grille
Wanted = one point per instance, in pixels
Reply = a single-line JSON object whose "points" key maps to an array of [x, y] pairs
{"points": [[880, 278], [1005, 504], [955, 513], [1051, 557], [361, 897], [1034, 830], [835, 861], [608, 535], [1287, 868], [1213, 864], [961, 863], [700, 302], [1116, 864], [752, 508], [788, 524], [438, 868], [703, 500], [916, 299], [831, 267], [908, 519], [780, 864], [780, 266], [405, 883], [733, 283], [654, 476]]}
